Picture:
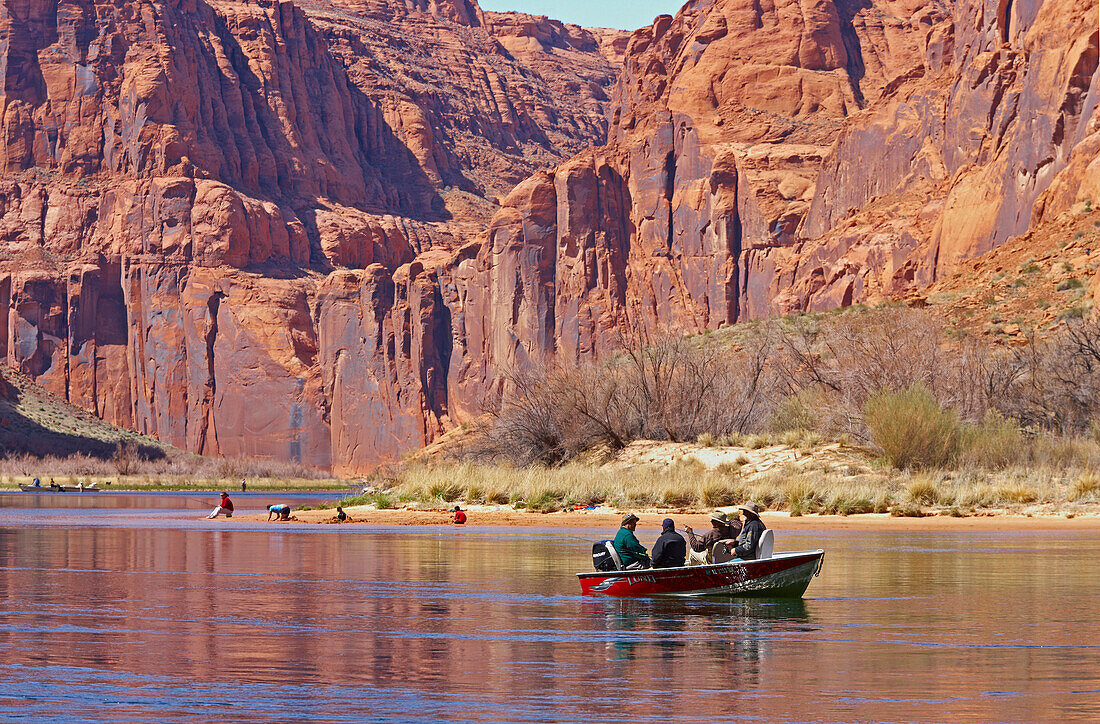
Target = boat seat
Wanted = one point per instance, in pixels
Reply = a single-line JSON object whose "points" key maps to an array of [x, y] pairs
{"points": [[722, 551], [764, 545], [614, 555]]}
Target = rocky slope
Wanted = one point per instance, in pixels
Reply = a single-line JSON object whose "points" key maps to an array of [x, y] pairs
{"points": [[292, 230]]}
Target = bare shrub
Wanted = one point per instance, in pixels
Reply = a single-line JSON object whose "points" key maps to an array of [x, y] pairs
{"points": [[667, 391], [911, 428], [126, 458], [1059, 383]]}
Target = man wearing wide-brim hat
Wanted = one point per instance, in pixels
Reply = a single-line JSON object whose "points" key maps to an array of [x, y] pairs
{"points": [[750, 534], [632, 554], [722, 527]]}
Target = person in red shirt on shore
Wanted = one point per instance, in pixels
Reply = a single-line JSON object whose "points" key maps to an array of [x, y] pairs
{"points": [[225, 506], [460, 516]]}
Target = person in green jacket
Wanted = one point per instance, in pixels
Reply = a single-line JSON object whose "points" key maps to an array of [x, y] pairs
{"points": [[631, 552]]}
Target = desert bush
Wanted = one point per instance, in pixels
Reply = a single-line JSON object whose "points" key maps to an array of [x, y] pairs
{"points": [[796, 412], [995, 444], [911, 428]]}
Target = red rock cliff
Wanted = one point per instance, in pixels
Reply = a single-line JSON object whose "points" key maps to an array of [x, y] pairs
{"points": [[188, 187], [772, 158]]}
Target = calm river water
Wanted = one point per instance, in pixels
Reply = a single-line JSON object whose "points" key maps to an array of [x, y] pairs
{"points": [[127, 608]]}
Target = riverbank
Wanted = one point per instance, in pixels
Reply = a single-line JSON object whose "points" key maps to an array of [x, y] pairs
{"points": [[650, 521], [173, 483], [795, 474]]}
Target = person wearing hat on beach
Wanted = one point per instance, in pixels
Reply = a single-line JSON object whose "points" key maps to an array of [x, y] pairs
{"points": [[460, 516], [632, 554], [225, 506], [750, 534], [670, 550], [721, 528]]}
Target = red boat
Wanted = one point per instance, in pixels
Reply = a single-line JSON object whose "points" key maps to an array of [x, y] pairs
{"points": [[782, 575]]}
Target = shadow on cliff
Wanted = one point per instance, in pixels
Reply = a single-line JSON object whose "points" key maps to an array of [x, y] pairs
{"points": [[392, 180], [847, 10], [20, 434]]}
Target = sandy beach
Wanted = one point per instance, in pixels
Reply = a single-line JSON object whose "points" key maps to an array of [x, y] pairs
{"points": [[609, 520]]}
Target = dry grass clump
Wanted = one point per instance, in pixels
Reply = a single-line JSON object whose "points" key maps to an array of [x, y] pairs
{"points": [[911, 428], [1019, 493], [922, 489], [1086, 486]]}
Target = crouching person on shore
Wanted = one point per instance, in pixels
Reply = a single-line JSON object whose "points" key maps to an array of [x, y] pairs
{"points": [[225, 506], [632, 554], [279, 511]]}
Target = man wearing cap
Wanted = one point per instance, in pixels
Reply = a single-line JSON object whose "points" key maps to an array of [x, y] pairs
{"points": [[670, 550], [750, 534], [721, 528], [631, 552]]}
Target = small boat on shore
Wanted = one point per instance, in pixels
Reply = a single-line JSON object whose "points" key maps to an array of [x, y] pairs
{"points": [[782, 575], [55, 488]]}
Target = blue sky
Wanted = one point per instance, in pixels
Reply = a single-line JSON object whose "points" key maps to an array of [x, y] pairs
{"points": [[624, 14]]}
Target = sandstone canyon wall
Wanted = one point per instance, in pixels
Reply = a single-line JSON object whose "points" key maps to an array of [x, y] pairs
{"points": [[188, 186], [319, 231]]}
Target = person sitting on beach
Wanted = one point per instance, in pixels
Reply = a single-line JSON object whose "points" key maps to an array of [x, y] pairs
{"points": [[460, 516], [670, 550], [721, 528], [750, 534], [225, 506], [280, 511], [341, 515], [631, 553]]}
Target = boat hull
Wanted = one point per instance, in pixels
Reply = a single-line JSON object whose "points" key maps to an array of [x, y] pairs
{"points": [[784, 575]]}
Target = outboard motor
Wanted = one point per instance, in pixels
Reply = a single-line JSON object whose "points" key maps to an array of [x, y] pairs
{"points": [[602, 558]]}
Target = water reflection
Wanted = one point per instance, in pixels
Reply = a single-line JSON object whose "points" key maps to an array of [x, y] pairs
{"points": [[178, 623]]}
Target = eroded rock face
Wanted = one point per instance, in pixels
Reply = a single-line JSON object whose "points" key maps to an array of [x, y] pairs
{"points": [[802, 156], [217, 219], [322, 231]]}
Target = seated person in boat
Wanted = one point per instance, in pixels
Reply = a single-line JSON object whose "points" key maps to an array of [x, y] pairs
{"points": [[225, 506], [631, 552], [750, 534], [721, 528], [279, 511], [670, 550]]}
